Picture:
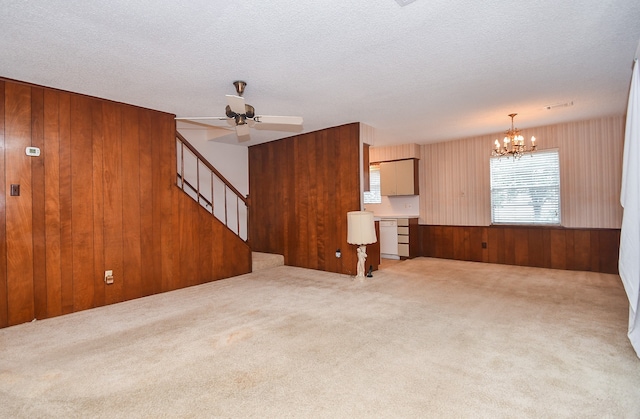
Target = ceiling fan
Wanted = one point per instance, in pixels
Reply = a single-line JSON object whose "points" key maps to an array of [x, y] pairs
{"points": [[243, 115]]}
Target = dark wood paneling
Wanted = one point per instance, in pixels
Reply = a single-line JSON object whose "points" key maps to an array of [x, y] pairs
{"points": [[521, 246], [414, 239], [535, 247], [548, 247], [207, 260], [66, 231], [132, 255], [373, 250], [558, 249], [38, 206], [102, 196], [148, 272], [98, 133], [82, 202], [112, 180], [4, 311], [365, 167], [301, 190], [474, 244], [458, 237], [581, 250], [609, 250], [19, 223], [186, 242], [168, 200]]}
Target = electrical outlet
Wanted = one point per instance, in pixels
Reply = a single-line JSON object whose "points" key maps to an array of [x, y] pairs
{"points": [[338, 254], [108, 277]]}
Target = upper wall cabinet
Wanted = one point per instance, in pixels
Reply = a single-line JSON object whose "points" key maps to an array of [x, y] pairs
{"points": [[399, 177]]}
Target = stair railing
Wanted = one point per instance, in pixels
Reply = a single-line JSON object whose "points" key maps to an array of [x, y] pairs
{"points": [[206, 185]]}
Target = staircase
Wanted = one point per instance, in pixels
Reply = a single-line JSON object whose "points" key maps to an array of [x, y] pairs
{"points": [[202, 182]]}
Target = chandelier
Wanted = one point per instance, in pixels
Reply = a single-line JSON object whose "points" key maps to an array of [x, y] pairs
{"points": [[513, 143]]}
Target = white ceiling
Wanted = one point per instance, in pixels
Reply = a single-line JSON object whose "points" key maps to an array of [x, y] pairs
{"points": [[431, 71]]}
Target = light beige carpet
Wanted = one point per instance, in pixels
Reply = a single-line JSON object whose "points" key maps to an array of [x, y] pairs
{"points": [[423, 338], [265, 261]]}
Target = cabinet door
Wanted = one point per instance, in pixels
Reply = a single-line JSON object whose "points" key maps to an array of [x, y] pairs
{"points": [[388, 178], [403, 250], [405, 177]]}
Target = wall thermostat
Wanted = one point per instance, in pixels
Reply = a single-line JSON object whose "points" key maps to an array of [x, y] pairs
{"points": [[32, 151]]}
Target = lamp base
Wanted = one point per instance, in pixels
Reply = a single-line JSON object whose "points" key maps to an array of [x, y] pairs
{"points": [[362, 257]]}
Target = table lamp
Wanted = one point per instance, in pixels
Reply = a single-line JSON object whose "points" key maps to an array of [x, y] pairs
{"points": [[361, 231]]}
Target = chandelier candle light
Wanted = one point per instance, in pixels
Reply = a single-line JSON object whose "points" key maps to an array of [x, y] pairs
{"points": [[513, 143]]}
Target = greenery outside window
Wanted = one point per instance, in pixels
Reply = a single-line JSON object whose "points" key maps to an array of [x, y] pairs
{"points": [[526, 190]]}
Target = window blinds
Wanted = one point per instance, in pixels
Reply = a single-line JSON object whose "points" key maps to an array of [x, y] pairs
{"points": [[526, 190]]}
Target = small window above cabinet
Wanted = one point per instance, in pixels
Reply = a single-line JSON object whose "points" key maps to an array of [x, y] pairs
{"points": [[399, 177]]}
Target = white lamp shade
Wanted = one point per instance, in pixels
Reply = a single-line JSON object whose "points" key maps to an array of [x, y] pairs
{"points": [[360, 228]]}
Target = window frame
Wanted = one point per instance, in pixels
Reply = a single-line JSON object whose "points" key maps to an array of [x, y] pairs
{"points": [[373, 167], [530, 222]]}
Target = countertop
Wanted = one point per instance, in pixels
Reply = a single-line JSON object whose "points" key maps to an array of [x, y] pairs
{"points": [[387, 216]]}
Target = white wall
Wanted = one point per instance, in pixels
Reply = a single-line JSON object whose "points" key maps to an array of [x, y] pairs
{"points": [[396, 206]]}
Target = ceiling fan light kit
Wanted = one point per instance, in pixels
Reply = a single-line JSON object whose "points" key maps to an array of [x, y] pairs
{"points": [[243, 115]]}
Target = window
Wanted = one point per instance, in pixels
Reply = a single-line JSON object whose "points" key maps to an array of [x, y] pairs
{"points": [[526, 190], [373, 196]]}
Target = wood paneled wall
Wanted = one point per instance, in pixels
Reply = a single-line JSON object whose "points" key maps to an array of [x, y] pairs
{"points": [[101, 196], [301, 189], [558, 248]]}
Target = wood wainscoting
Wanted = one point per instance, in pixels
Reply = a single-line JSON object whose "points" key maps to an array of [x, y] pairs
{"points": [[582, 249]]}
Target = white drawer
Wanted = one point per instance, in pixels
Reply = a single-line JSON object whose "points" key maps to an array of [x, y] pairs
{"points": [[403, 230], [403, 239], [403, 250], [403, 221]]}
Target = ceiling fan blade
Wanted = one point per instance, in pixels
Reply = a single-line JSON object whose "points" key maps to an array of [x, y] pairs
{"points": [[242, 129], [236, 103], [287, 120], [200, 118]]}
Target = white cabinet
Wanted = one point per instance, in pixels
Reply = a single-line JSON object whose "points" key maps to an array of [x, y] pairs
{"points": [[399, 177], [403, 237], [389, 237], [399, 237]]}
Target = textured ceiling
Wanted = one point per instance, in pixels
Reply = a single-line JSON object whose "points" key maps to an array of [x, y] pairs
{"points": [[431, 71]]}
